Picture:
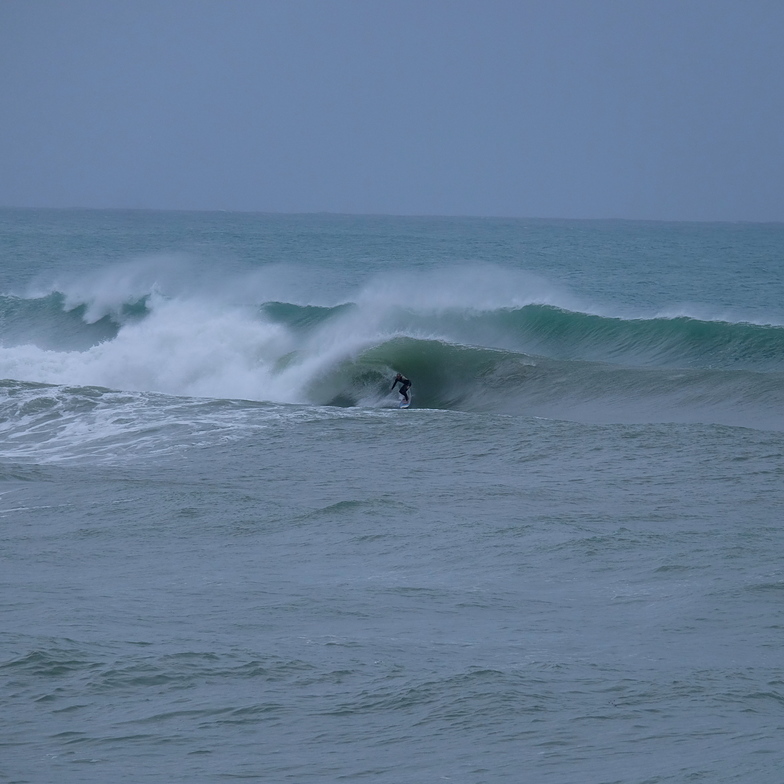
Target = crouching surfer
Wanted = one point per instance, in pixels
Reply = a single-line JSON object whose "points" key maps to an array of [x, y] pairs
{"points": [[405, 385]]}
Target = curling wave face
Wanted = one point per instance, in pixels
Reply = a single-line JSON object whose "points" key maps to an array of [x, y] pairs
{"points": [[510, 345]]}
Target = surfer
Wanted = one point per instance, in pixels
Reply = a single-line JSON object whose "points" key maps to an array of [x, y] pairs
{"points": [[405, 385]]}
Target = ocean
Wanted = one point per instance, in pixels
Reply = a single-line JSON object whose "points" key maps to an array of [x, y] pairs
{"points": [[227, 555]]}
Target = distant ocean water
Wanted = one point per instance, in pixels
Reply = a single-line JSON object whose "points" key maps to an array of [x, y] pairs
{"points": [[226, 554]]}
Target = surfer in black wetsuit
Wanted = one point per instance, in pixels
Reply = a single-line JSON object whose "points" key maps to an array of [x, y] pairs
{"points": [[405, 384]]}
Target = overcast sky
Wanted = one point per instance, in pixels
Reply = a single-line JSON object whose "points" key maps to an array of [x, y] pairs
{"points": [[655, 109]]}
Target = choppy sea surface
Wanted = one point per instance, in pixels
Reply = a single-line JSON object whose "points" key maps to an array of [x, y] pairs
{"points": [[225, 554]]}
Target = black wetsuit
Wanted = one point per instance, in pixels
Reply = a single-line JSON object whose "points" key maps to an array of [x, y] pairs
{"points": [[405, 385]]}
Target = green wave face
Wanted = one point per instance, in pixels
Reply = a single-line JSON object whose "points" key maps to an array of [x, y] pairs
{"points": [[302, 318], [460, 378], [677, 342], [553, 332], [445, 375]]}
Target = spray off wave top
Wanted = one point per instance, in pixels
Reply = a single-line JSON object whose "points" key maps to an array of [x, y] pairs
{"points": [[470, 338]]}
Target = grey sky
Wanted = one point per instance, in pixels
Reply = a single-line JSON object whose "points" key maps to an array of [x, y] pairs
{"points": [[659, 109]]}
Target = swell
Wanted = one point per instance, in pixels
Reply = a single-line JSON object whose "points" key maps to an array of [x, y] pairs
{"points": [[660, 341], [49, 323]]}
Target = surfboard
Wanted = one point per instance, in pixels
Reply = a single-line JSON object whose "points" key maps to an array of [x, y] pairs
{"points": [[404, 404]]}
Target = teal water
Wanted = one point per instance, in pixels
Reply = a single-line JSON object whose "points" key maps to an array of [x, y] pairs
{"points": [[227, 554]]}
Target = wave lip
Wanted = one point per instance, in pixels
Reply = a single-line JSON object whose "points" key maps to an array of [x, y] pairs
{"points": [[680, 341]]}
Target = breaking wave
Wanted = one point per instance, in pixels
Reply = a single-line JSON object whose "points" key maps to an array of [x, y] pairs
{"points": [[516, 348]]}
